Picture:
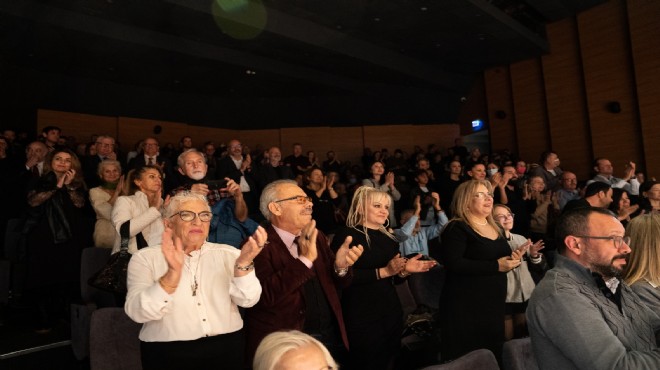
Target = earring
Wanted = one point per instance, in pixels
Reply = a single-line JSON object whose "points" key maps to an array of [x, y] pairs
{"points": [[387, 223]]}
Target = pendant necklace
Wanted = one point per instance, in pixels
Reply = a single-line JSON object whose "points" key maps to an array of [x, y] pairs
{"points": [[193, 275]]}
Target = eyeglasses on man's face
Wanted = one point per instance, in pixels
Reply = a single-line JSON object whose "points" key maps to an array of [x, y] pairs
{"points": [[300, 199], [616, 239], [188, 216], [505, 217], [483, 195]]}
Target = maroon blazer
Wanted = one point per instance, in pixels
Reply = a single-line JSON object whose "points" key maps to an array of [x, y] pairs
{"points": [[282, 278]]}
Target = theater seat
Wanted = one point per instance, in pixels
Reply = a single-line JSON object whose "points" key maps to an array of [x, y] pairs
{"points": [[481, 359], [114, 342], [517, 354]]}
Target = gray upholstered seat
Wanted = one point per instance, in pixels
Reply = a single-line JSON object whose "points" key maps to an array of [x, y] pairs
{"points": [[517, 354], [481, 359], [114, 342]]}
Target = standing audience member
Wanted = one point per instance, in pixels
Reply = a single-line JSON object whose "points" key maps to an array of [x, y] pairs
{"points": [[370, 304], [151, 156], [643, 271], [324, 197], [581, 316], [414, 239], [103, 198], [186, 292], [273, 169], [56, 231], [424, 193], [597, 194], [568, 189], [105, 150], [385, 183], [332, 163], [230, 223], [297, 161], [621, 206], [650, 197], [448, 185], [238, 167], [604, 173], [476, 257], [299, 274], [476, 171], [292, 350], [548, 170], [141, 206], [520, 282], [50, 135]]}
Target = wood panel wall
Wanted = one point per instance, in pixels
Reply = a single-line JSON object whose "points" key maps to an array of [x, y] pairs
{"points": [[347, 142], [559, 101]]}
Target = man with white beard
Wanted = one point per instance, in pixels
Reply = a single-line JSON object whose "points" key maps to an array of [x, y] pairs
{"points": [[230, 223]]}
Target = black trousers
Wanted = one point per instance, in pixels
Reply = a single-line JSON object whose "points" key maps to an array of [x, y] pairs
{"points": [[224, 351]]}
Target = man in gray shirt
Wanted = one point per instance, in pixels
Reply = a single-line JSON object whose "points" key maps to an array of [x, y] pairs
{"points": [[581, 316]]}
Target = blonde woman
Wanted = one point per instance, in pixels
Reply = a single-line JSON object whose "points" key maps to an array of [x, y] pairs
{"points": [[292, 350], [643, 272], [477, 257], [103, 198], [371, 307]]}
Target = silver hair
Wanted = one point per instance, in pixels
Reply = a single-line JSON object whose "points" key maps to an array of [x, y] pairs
{"points": [[106, 163], [180, 159], [269, 195], [183, 197], [275, 345]]}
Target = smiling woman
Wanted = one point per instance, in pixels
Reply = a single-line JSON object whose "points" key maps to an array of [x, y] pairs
{"points": [[186, 292]]}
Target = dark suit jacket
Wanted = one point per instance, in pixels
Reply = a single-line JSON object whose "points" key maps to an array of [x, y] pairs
{"points": [[283, 278], [90, 167], [172, 177]]}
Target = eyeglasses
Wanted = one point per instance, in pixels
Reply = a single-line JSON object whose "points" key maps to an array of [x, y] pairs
{"points": [[190, 215], [300, 199], [504, 217], [482, 195], [617, 240], [104, 144]]}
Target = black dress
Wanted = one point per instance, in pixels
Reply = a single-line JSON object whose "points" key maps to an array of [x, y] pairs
{"points": [[372, 310], [473, 298]]}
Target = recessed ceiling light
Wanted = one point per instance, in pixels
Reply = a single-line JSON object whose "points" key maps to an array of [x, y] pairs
{"points": [[376, 19], [423, 8]]}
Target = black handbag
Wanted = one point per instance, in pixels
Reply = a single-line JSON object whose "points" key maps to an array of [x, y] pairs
{"points": [[112, 277]]}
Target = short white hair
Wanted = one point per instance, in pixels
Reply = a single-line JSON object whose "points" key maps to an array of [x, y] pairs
{"points": [[275, 345], [183, 197]]}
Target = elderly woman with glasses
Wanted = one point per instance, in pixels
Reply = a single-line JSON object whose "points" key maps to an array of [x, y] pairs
{"points": [[477, 257], [520, 283], [292, 350], [186, 292]]}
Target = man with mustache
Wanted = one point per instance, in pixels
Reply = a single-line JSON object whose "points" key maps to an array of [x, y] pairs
{"points": [[581, 316], [299, 274]]}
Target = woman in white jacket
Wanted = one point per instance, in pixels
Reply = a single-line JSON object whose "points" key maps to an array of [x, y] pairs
{"points": [[142, 207]]}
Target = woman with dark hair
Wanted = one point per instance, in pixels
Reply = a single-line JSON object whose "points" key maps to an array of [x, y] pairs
{"points": [[324, 197], [142, 207], [56, 230], [621, 206]]}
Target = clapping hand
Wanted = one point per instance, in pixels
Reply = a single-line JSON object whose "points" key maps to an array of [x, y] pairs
{"points": [[346, 255], [416, 264]]}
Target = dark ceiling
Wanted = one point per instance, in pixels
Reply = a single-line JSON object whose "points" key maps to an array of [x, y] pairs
{"points": [[263, 63]]}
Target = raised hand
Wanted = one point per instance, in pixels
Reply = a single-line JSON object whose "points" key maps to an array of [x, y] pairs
{"points": [[415, 264], [202, 189], [395, 265], [346, 255], [253, 247], [535, 248], [307, 241]]}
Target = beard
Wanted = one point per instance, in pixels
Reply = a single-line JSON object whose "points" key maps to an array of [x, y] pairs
{"points": [[197, 175], [609, 271]]}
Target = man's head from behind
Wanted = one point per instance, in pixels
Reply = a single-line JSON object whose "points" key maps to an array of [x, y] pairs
{"points": [[594, 238], [598, 194]]}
